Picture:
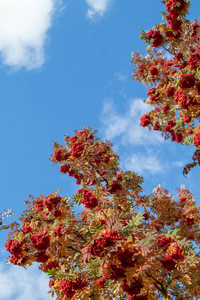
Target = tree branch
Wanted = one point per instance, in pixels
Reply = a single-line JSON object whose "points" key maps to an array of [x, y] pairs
{"points": [[79, 235], [70, 247], [168, 50], [76, 241], [104, 179], [172, 280], [159, 286]]}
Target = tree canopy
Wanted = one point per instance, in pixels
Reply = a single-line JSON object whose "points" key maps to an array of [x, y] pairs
{"points": [[124, 244]]}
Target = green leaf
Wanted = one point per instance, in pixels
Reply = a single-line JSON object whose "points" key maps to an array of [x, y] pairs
{"points": [[130, 238], [76, 199], [20, 236], [164, 13], [56, 145], [28, 236], [133, 223], [95, 267], [99, 271], [175, 232], [66, 221], [146, 241]]}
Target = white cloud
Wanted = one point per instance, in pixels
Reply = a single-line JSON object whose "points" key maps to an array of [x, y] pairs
{"points": [[23, 31], [127, 125], [168, 56], [178, 164], [17, 283], [142, 163], [121, 76], [97, 8], [115, 124]]}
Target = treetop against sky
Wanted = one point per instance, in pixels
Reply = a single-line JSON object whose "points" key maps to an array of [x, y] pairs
{"points": [[70, 67], [123, 244]]}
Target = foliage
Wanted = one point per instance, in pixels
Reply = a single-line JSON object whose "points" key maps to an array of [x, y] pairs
{"points": [[4, 215], [172, 68], [125, 245], [122, 245]]}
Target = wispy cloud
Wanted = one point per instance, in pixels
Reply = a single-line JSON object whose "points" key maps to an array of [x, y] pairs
{"points": [[144, 163], [126, 126], [124, 130], [97, 8], [121, 76], [20, 284], [23, 31], [168, 56], [179, 164]]}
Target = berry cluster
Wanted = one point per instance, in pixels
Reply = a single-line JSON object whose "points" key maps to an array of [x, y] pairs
{"points": [[69, 288], [40, 241], [176, 94], [48, 205], [108, 242], [88, 199], [108, 239], [171, 259], [132, 289]]}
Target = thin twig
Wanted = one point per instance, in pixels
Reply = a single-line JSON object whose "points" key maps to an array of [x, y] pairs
{"points": [[76, 241], [78, 234], [98, 172], [168, 50], [70, 247], [160, 287], [172, 280]]}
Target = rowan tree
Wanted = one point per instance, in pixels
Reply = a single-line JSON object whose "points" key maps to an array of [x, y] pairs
{"points": [[124, 244], [4, 215], [172, 68]]}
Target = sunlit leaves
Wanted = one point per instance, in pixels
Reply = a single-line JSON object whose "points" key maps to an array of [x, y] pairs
{"points": [[173, 51]]}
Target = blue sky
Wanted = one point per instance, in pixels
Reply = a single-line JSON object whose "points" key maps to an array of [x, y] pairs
{"points": [[65, 65]]}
